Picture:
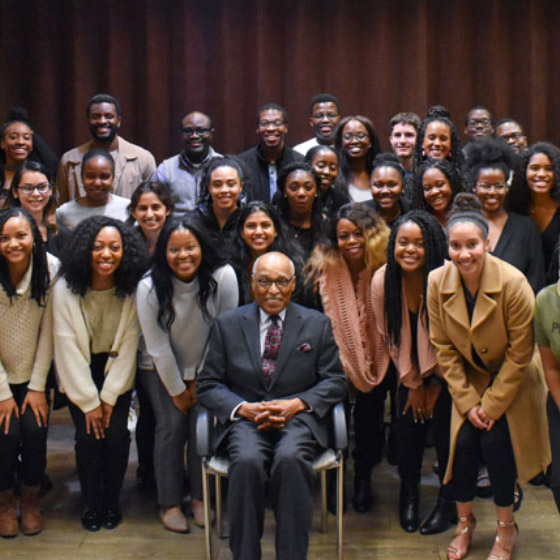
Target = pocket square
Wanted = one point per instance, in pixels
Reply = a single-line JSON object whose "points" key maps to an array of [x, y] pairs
{"points": [[305, 348]]}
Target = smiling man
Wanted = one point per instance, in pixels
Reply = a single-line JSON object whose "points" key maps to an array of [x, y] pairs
{"points": [[325, 116], [271, 375], [267, 160], [403, 128], [133, 164], [182, 173]]}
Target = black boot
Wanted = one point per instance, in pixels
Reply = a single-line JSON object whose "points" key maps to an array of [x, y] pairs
{"points": [[362, 499], [408, 505], [443, 516]]}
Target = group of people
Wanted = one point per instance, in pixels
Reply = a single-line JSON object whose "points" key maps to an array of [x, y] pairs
{"points": [[269, 286]]}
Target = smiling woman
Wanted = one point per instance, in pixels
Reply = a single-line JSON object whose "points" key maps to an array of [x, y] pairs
{"points": [[16, 143], [96, 340], [98, 170]]}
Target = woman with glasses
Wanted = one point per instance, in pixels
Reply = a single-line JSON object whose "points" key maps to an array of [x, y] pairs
{"points": [[357, 144], [32, 190], [513, 238]]}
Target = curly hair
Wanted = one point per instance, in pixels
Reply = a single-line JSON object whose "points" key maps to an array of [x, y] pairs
{"points": [[375, 231], [162, 274], [49, 211], [450, 172], [374, 149], [284, 208], [489, 153], [439, 114], [76, 257], [519, 197], [435, 247], [40, 277], [161, 190]]}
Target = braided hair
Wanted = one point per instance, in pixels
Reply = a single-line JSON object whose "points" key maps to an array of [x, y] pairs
{"points": [[435, 252]]}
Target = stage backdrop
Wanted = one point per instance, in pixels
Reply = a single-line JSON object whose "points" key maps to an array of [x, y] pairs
{"points": [[164, 58]]}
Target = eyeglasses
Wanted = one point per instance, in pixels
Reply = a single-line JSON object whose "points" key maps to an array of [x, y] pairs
{"points": [[481, 122], [189, 131], [276, 123], [512, 136], [495, 186], [358, 136], [281, 283], [43, 188], [320, 116]]}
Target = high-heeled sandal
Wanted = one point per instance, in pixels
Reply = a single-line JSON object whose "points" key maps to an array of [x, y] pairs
{"points": [[468, 529], [503, 553]]}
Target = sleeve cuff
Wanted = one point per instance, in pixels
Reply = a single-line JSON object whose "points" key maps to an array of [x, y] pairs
{"points": [[233, 416]]}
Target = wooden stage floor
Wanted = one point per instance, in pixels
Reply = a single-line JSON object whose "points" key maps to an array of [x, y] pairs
{"points": [[373, 535]]}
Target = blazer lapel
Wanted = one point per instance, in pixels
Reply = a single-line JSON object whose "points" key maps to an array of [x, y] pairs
{"points": [[490, 283], [293, 323], [250, 326], [455, 305]]}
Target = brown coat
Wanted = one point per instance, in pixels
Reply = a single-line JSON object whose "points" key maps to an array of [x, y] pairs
{"points": [[501, 332]]}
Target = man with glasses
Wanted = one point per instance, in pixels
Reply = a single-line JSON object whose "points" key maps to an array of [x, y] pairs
{"points": [[511, 132], [133, 164], [267, 160], [271, 375], [182, 173], [325, 115], [478, 123]]}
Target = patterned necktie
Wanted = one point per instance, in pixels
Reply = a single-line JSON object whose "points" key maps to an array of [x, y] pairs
{"points": [[271, 346]]}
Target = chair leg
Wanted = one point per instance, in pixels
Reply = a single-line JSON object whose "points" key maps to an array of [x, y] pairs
{"points": [[219, 512], [323, 501], [207, 525], [339, 505]]}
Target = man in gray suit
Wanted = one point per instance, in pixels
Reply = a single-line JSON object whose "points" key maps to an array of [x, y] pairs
{"points": [[271, 375]]}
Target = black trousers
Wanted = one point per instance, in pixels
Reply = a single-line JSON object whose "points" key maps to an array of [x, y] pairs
{"points": [[554, 434], [283, 460], [369, 429], [102, 462], [494, 448], [411, 436], [145, 430], [26, 439]]}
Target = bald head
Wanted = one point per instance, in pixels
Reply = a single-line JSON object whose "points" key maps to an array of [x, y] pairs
{"points": [[197, 129], [273, 282]]}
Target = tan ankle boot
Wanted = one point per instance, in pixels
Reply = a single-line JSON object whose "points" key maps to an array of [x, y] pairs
{"points": [[31, 518], [8, 516]]}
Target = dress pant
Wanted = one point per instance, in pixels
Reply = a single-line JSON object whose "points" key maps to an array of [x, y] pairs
{"points": [[283, 459], [554, 434], [26, 439], [102, 462], [369, 427], [145, 429], [173, 430], [495, 449], [411, 436]]}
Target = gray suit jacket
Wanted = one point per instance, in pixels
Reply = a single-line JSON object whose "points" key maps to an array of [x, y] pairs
{"points": [[308, 367]]}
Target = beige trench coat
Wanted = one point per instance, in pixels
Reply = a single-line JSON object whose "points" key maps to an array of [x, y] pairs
{"points": [[501, 332]]}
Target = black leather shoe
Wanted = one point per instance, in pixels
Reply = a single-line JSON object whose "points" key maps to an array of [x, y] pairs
{"points": [[408, 506], [111, 518], [91, 520], [362, 499], [443, 516]]}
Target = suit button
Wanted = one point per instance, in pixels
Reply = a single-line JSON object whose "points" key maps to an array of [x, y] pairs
{"points": [[483, 350]]}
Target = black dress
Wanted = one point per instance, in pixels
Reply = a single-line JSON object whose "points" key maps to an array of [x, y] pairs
{"points": [[550, 238]]}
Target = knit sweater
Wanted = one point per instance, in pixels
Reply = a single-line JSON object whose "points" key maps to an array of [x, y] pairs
{"points": [[73, 354], [26, 336], [179, 354]]}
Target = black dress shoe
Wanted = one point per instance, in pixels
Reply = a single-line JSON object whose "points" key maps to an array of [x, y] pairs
{"points": [[443, 516], [91, 520], [111, 518], [408, 506], [362, 499]]}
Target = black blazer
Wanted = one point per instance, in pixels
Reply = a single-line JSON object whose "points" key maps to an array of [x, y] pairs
{"points": [[308, 367]]}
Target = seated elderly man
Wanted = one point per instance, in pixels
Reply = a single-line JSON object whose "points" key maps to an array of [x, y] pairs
{"points": [[271, 375]]}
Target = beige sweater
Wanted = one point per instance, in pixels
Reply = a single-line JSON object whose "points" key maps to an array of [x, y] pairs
{"points": [[26, 336], [73, 356]]}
